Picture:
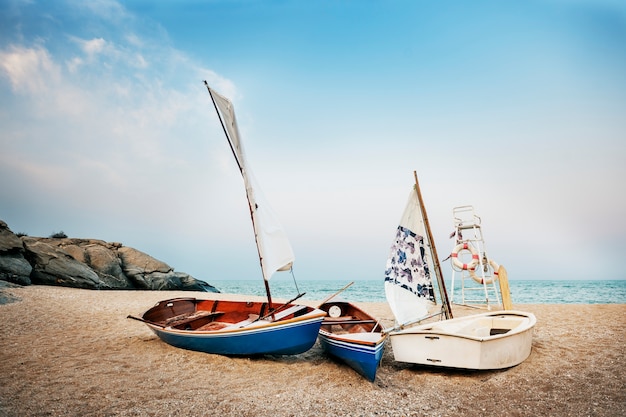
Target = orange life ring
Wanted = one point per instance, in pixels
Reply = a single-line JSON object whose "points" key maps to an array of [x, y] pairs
{"points": [[489, 280], [455, 256]]}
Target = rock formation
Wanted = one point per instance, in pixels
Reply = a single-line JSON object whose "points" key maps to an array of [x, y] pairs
{"points": [[86, 263]]}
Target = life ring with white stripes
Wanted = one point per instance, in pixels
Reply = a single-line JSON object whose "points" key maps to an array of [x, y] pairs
{"points": [[455, 256], [488, 280]]}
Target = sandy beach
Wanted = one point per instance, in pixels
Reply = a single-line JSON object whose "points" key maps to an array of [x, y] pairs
{"points": [[71, 352]]}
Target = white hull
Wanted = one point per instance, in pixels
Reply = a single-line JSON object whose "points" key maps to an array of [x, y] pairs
{"points": [[493, 340]]}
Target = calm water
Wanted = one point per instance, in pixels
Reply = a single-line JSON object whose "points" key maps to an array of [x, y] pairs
{"points": [[522, 292]]}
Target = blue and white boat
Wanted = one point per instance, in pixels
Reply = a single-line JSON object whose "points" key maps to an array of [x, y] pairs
{"points": [[241, 327], [234, 327], [353, 336]]}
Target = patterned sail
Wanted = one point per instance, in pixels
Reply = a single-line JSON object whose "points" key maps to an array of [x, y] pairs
{"points": [[274, 249], [408, 284]]}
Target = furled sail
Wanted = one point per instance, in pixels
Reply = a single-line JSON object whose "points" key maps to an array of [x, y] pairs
{"points": [[274, 249], [408, 285]]}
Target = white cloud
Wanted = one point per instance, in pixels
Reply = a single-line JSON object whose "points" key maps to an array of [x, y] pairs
{"points": [[48, 176], [134, 40], [110, 10], [93, 46], [29, 70], [74, 64], [140, 61]]}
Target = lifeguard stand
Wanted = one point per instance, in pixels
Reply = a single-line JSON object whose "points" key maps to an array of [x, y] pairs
{"points": [[478, 274]]}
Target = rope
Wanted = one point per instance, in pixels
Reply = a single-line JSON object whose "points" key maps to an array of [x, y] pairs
{"points": [[294, 280]]}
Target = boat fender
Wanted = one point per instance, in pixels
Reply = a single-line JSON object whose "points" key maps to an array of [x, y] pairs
{"points": [[488, 280], [334, 311], [455, 256]]}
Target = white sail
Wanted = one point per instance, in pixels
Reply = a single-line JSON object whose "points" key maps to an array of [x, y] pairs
{"points": [[408, 284], [275, 251]]}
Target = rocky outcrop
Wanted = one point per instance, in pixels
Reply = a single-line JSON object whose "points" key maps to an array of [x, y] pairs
{"points": [[13, 266], [86, 263]]}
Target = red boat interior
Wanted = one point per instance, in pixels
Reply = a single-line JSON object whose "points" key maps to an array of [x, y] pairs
{"points": [[207, 315], [346, 318]]}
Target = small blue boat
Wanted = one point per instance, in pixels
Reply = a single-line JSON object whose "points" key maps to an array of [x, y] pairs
{"points": [[353, 336]]}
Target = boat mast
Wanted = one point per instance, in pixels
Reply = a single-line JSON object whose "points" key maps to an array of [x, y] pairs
{"points": [[442, 287], [243, 173]]}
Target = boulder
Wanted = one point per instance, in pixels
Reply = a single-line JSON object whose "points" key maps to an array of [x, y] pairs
{"points": [[101, 257], [13, 266], [54, 266], [9, 242], [149, 273], [6, 298]]}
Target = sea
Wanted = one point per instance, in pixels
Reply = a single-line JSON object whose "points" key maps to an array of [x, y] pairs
{"points": [[522, 291]]}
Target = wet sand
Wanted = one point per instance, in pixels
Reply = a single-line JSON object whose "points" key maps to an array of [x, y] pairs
{"points": [[71, 352]]}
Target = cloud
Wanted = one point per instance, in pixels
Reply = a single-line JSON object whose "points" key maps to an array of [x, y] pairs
{"points": [[109, 10], [74, 64], [93, 46], [29, 70]]}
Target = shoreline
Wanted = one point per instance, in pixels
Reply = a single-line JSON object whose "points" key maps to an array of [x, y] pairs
{"points": [[73, 352]]}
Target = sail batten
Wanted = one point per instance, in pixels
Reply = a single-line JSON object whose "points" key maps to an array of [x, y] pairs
{"points": [[274, 249]]}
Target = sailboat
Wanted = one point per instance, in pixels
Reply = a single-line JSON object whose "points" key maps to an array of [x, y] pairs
{"points": [[241, 327], [492, 340]]}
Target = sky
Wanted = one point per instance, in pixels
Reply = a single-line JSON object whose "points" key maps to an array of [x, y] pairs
{"points": [[517, 108]]}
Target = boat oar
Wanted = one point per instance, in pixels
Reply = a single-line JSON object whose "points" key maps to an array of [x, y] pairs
{"points": [[411, 322], [277, 309], [335, 294]]}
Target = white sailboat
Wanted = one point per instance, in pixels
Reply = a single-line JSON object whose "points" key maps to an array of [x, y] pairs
{"points": [[493, 340]]}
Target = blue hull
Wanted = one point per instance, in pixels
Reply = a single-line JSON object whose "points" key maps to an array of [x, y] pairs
{"points": [[274, 339], [362, 358]]}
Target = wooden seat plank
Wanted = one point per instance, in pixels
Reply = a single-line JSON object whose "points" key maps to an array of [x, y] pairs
{"points": [[186, 318]]}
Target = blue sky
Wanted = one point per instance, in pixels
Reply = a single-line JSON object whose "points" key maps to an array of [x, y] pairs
{"points": [[515, 107]]}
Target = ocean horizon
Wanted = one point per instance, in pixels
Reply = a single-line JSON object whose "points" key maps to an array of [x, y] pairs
{"points": [[522, 291]]}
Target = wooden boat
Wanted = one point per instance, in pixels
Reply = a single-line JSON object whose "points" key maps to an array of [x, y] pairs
{"points": [[234, 328], [493, 340], [353, 336], [240, 327]]}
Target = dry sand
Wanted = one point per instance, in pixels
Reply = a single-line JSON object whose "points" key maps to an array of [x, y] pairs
{"points": [[70, 352]]}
